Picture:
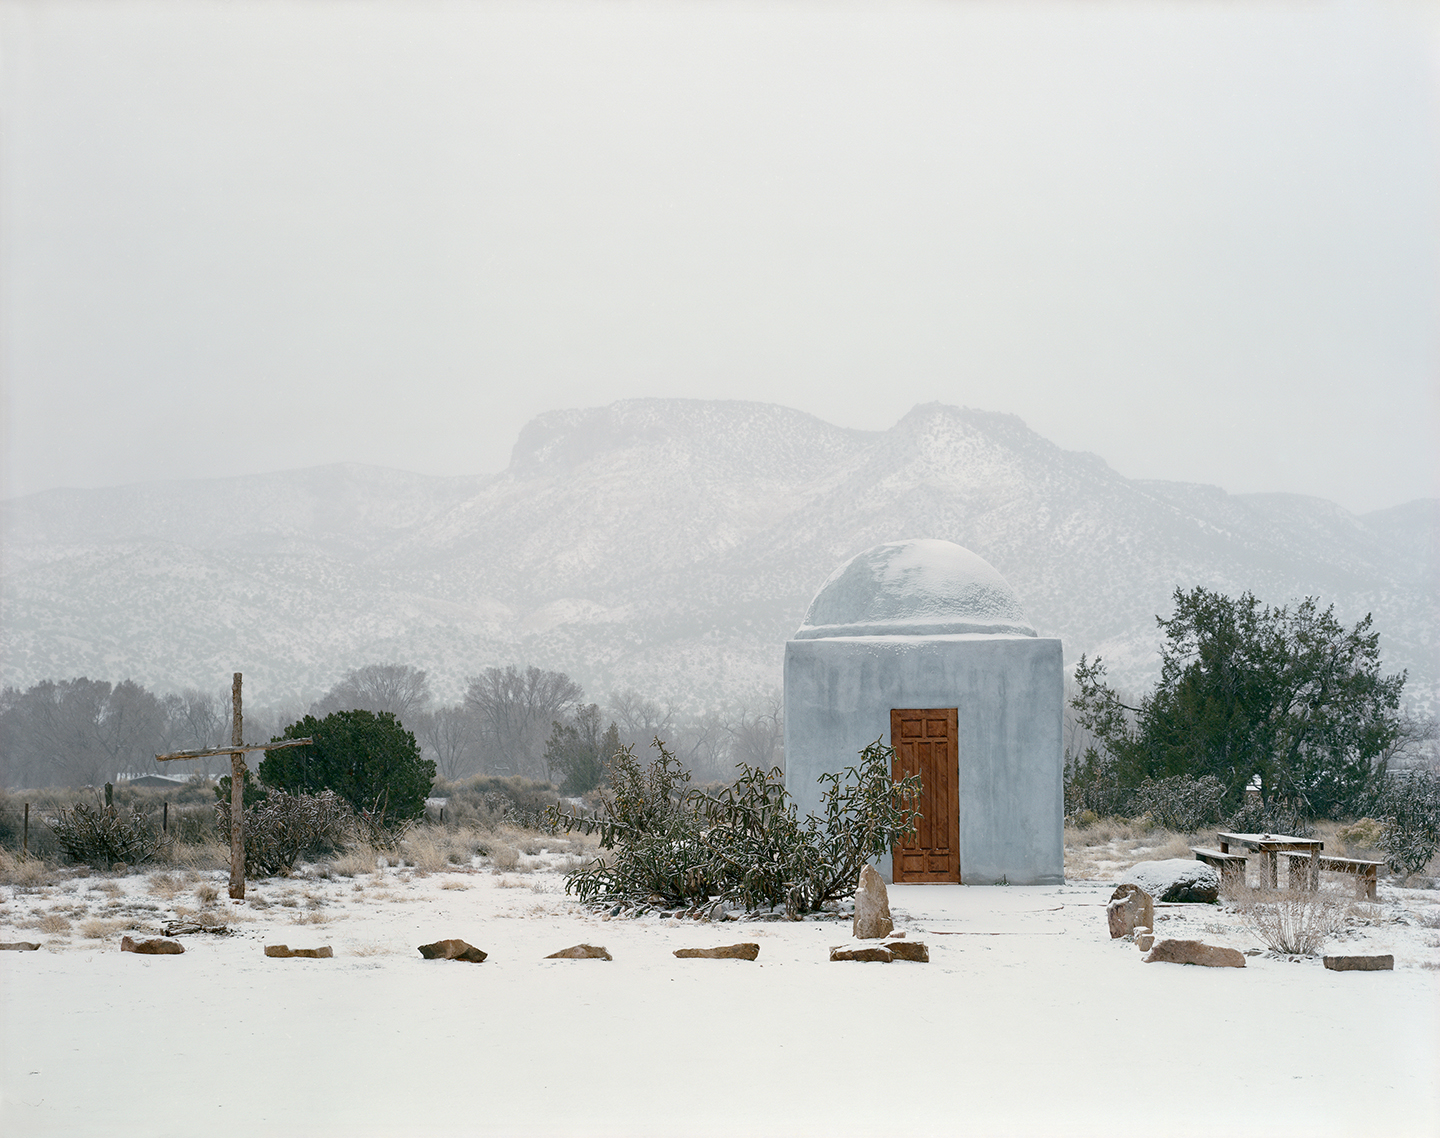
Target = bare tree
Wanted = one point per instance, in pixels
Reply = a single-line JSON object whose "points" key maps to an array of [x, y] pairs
{"points": [[397, 688], [757, 733], [639, 720], [198, 719], [452, 737], [80, 732], [515, 710]]}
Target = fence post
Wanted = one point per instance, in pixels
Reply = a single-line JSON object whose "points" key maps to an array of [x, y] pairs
{"points": [[109, 796], [165, 819], [25, 843]]}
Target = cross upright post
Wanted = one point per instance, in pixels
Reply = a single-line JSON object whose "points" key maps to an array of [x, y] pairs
{"points": [[236, 750], [237, 796]]}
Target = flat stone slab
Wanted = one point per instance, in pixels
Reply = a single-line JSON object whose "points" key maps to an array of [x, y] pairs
{"points": [[1377, 963], [877, 955], [1170, 951], [156, 947], [581, 952], [454, 949], [908, 950], [325, 952], [20, 946], [747, 951]]}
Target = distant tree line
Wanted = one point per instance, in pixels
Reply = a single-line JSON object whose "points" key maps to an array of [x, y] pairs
{"points": [[513, 720]]}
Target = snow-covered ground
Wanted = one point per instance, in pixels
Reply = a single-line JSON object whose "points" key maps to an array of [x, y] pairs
{"points": [[1028, 1020]]}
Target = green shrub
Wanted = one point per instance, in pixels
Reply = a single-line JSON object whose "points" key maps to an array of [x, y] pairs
{"points": [[744, 845], [1409, 816], [368, 759]]}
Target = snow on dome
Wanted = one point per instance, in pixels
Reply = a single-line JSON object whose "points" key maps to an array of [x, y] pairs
{"points": [[920, 587]]}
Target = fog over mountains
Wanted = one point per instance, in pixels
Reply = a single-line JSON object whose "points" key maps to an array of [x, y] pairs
{"points": [[667, 545]]}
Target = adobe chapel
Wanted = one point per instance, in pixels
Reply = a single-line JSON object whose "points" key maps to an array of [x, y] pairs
{"points": [[923, 645]]}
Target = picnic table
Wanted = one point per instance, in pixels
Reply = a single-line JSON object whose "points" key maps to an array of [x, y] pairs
{"points": [[1269, 846]]}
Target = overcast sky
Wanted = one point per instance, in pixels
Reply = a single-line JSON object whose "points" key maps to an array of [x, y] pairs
{"points": [[1199, 239]]}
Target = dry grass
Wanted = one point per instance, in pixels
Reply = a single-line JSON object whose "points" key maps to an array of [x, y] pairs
{"points": [[207, 894], [356, 861], [56, 924], [1293, 921], [505, 858], [197, 855], [30, 873], [165, 885], [435, 850], [454, 883], [101, 928]]}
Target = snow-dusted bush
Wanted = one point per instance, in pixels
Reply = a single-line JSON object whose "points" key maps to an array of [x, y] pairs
{"points": [[1181, 803], [1293, 921], [1276, 817], [1409, 816], [104, 836], [282, 827], [746, 844]]}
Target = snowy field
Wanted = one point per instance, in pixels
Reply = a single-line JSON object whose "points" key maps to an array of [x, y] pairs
{"points": [[1028, 1020]]}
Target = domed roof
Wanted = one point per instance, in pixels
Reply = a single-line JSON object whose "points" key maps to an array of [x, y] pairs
{"points": [[921, 587]]}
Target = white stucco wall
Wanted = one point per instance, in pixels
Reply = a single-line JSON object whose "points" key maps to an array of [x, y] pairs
{"points": [[1008, 689]]}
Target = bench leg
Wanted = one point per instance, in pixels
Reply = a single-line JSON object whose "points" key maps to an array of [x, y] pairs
{"points": [[1365, 885], [1267, 869]]}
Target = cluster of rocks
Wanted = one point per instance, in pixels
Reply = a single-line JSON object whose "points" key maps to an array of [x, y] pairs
{"points": [[1131, 913], [873, 922]]}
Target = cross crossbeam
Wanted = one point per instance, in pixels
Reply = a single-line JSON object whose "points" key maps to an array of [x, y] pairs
{"points": [[212, 752]]}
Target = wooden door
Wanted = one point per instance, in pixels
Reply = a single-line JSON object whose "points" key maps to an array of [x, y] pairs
{"points": [[926, 742]]}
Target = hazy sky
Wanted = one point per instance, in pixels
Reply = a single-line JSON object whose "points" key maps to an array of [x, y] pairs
{"points": [[1200, 239]]}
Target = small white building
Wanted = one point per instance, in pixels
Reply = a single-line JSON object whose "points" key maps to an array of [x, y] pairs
{"points": [[923, 645]]}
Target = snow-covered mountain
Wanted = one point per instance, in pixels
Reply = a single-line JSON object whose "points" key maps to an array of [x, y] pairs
{"points": [[666, 545]]}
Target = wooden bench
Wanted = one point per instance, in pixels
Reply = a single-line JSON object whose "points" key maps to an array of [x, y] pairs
{"points": [[1231, 866], [1365, 872]]}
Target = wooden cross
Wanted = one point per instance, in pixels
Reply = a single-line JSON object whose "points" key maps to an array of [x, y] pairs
{"points": [[236, 751]]}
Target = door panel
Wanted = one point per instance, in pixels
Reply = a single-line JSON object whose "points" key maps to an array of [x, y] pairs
{"points": [[926, 742]]}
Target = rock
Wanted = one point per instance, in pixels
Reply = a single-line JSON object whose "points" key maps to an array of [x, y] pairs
{"points": [[1130, 908], [19, 946], [185, 928], [872, 907], [1360, 963], [323, 953], [908, 950], [877, 953], [724, 952], [1175, 879], [1144, 939], [1170, 951], [581, 952], [452, 950], [155, 947]]}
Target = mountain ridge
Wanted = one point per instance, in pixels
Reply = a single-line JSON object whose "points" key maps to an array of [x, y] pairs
{"points": [[666, 545]]}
